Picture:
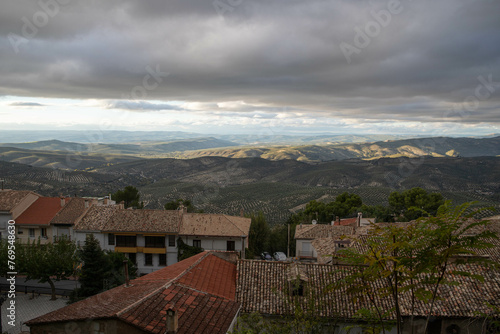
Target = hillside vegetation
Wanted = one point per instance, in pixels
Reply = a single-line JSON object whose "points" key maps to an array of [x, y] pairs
{"points": [[435, 147], [53, 153], [224, 185]]}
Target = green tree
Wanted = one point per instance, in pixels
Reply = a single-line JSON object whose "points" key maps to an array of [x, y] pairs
{"points": [[174, 205], [278, 238], [258, 236], [379, 212], [414, 203], [414, 261], [49, 262], [130, 196], [95, 268], [346, 204], [116, 274]]}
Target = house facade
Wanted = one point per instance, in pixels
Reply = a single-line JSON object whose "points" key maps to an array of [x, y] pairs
{"points": [[150, 237], [12, 204], [305, 234]]}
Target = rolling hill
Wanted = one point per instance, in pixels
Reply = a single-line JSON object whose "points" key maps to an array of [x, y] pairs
{"points": [[417, 147], [224, 185]]}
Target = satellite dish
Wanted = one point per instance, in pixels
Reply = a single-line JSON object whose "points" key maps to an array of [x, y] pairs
{"points": [[314, 222]]}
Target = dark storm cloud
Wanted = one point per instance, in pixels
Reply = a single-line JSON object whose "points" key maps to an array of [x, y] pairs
{"points": [[417, 62]]}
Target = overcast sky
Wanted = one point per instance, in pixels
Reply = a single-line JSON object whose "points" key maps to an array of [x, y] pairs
{"points": [[243, 66]]}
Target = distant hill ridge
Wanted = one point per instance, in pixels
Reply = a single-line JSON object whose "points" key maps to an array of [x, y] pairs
{"points": [[40, 152]]}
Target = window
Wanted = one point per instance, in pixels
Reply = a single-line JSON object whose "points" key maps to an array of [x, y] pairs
{"points": [[163, 259], [197, 243], [148, 259], [171, 241], [20, 231], [155, 242], [43, 233], [111, 239], [132, 257], [230, 245], [126, 241], [32, 232]]}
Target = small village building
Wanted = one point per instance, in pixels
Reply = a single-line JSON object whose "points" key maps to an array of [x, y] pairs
{"points": [[305, 234], [34, 223], [63, 222], [12, 204], [282, 290], [196, 295], [150, 237]]}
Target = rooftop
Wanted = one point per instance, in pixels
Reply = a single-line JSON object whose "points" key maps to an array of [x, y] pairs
{"points": [[214, 225], [9, 199], [42, 211], [263, 286], [71, 212], [201, 289], [313, 231], [115, 219]]}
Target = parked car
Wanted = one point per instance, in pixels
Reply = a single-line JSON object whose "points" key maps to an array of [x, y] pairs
{"points": [[279, 256], [266, 256]]}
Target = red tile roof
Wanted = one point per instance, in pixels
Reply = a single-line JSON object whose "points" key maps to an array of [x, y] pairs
{"points": [[201, 289], [214, 276], [41, 212]]}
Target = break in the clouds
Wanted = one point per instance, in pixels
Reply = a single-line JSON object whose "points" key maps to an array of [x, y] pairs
{"points": [[371, 61]]}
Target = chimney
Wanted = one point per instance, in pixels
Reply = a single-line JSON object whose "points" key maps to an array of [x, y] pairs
{"points": [[242, 213], [360, 215], [122, 205], [337, 218], [125, 268], [86, 203], [62, 201], [172, 321]]}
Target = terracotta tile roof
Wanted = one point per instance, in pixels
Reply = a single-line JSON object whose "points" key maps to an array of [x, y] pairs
{"points": [[326, 247], [347, 221], [262, 287], [71, 212], [201, 289], [198, 311], [313, 231], [10, 198], [214, 276], [174, 271], [115, 219], [205, 224], [96, 218], [143, 221], [40, 212]]}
